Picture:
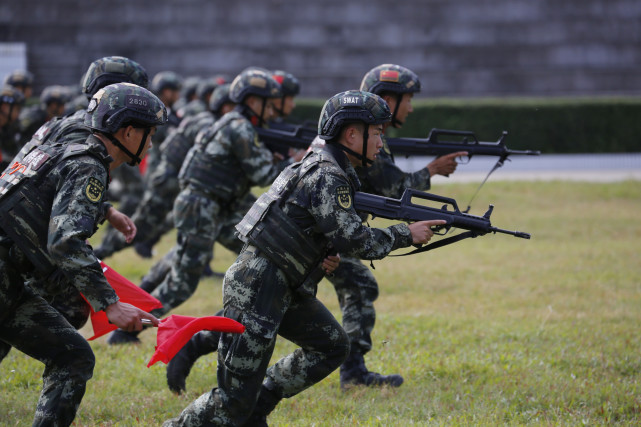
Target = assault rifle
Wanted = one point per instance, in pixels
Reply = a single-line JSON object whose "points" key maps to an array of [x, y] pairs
{"points": [[281, 137], [405, 209], [434, 146]]}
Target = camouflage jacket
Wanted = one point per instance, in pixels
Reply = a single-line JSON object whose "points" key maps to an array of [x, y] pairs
{"points": [[228, 159], [385, 178], [69, 129], [175, 147], [316, 196], [53, 209]]}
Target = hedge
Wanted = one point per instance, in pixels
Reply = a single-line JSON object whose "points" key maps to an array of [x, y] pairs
{"points": [[552, 125]]}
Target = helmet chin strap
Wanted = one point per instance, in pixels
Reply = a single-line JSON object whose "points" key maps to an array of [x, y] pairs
{"points": [[365, 162], [261, 120], [396, 122], [135, 158]]}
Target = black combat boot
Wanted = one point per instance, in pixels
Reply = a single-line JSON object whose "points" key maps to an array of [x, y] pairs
{"points": [[354, 372], [267, 401], [178, 368], [123, 337]]}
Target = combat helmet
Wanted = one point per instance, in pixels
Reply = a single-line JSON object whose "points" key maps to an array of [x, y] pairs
{"points": [[289, 85], [391, 78], [254, 81], [55, 93], [219, 97], [123, 104], [349, 107], [19, 79], [165, 80], [112, 69], [207, 86]]}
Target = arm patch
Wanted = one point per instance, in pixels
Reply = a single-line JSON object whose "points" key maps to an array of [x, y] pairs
{"points": [[94, 190], [344, 196]]}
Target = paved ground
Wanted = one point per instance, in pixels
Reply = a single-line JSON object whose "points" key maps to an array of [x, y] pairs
{"points": [[575, 167]]}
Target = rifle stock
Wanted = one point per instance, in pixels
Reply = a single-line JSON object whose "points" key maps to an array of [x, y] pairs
{"points": [[434, 146], [404, 209]]}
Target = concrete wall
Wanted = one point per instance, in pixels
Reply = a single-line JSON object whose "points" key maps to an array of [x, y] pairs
{"points": [[459, 48]]}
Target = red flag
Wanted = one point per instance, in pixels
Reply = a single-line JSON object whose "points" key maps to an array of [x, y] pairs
{"points": [[127, 292], [176, 330]]}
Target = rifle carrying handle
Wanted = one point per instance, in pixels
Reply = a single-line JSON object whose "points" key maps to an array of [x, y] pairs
{"points": [[409, 193]]}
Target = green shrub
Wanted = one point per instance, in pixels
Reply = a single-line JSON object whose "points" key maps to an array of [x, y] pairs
{"points": [[552, 125]]}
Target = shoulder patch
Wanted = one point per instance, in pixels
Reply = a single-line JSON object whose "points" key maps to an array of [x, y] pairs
{"points": [[344, 196], [94, 190]]}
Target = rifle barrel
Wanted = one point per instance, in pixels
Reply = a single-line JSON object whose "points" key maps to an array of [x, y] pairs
{"points": [[520, 234]]}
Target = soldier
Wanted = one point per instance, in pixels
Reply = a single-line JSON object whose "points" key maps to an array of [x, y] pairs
{"points": [[52, 104], [162, 186], [72, 130], [215, 179], [21, 80], [50, 203], [354, 283], [11, 102], [306, 214]]}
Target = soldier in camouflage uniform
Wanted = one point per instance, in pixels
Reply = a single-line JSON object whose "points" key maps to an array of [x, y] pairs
{"points": [[162, 185], [72, 130], [204, 343], [11, 102], [50, 203], [306, 214], [216, 177], [52, 104], [354, 283]]}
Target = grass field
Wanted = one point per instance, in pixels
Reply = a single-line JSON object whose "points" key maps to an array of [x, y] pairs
{"points": [[489, 331]]}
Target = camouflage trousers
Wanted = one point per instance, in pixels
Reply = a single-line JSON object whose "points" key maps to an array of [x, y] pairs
{"points": [[152, 216], [257, 294], [69, 303], [31, 325], [200, 221], [357, 290]]}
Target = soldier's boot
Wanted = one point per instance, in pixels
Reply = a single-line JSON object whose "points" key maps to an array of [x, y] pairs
{"points": [[354, 372], [267, 401], [123, 337], [179, 367]]}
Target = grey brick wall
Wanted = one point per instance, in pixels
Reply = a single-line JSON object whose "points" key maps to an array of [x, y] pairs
{"points": [[458, 47]]}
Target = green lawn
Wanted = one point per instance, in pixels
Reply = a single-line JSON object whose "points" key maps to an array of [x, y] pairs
{"points": [[492, 330]]}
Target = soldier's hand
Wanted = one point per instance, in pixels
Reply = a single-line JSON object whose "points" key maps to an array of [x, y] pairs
{"points": [[296, 155], [445, 165], [122, 223], [422, 231], [331, 263], [127, 317], [277, 157]]}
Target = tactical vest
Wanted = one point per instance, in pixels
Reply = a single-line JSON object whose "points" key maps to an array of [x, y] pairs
{"points": [[217, 179], [277, 236], [26, 198], [52, 131], [178, 143]]}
